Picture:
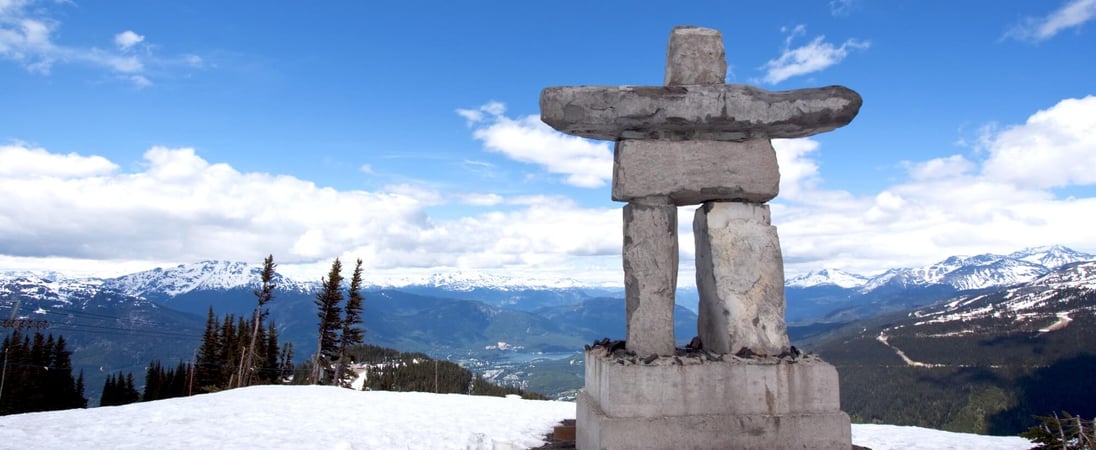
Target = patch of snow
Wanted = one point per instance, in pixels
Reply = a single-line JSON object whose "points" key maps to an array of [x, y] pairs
{"points": [[894, 437], [330, 417], [824, 277]]}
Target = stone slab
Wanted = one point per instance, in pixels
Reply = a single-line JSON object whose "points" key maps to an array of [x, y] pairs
{"points": [[816, 431], [697, 386], [725, 112], [740, 279], [695, 56], [694, 172], [829, 431], [650, 275]]}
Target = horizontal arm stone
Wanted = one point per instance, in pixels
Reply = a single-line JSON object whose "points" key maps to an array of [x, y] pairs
{"points": [[723, 112]]}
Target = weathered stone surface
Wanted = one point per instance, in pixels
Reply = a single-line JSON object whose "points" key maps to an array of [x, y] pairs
{"points": [[694, 172], [695, 56], [650, 275], [726, 404], [740, 279], [697, 386], [726, 112]]}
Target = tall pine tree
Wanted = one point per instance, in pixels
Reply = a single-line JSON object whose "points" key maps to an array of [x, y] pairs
{"points": [[264, 294], [208, 368], [351, 323], [328, 311]]}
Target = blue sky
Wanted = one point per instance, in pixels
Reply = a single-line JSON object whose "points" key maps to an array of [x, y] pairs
{"points": [[136, 134]]}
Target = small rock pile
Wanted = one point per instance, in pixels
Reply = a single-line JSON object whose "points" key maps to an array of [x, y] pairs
{"points": [[694, 353]]}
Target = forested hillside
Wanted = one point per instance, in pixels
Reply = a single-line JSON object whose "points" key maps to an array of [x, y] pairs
{"points": [[984, 364]]}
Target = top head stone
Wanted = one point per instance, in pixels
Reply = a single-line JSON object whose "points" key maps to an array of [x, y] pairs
{"points": [[695, 56]]}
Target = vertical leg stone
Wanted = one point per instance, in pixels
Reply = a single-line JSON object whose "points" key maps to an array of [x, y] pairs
{"points": [[740, 279], [650, 274]]}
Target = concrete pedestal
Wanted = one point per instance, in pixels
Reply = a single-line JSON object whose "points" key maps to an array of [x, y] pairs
{"points": [[697, 403]]}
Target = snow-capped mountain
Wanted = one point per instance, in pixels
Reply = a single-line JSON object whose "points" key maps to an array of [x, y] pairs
{"points": [[1051, 300], [981, 271], [833, 296], [204, 275], [58, 290], [461, 281], [1051, 256], [826, 277]]}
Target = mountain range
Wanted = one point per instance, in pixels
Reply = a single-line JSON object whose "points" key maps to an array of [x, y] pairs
{"points": [[122, 323], [835, 296], [985, 361]]}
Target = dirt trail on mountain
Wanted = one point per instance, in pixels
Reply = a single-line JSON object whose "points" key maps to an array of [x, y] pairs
{"points": [[909, 362]]}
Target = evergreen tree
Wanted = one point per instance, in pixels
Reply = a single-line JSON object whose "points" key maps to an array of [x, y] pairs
{"points": [[129, 390], [271, 373], [264, 295], [38, 375], [118, 390], [351, 323], [207, 373], [286, 364], [109, 396], [327, 303], [154, 380], [229, 351], [80, 398]]}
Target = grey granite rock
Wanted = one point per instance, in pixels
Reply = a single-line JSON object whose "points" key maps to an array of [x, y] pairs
{"points": [[694, 172], [740, 279], [725, 112], [650, 275], [695, 56]]}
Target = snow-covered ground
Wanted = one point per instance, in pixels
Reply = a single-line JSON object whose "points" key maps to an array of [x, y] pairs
{"points": [[334, 418]]}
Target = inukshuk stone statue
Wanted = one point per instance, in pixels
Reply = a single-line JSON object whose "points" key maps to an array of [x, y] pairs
{"points": [[698, 141]]}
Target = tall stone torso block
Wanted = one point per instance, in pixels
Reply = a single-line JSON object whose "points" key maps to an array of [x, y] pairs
{"points": [[740, 278]]}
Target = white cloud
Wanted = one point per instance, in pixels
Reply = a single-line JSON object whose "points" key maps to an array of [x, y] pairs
{"points": [[17, 161], [1056, 147], [815, 56], [949, 167], [127, 39], [1072, 14], [955, 204], [842, 7], [27, 38], [798, 172], [584, 163], [481, 199], [487, 110], [179, 207]]}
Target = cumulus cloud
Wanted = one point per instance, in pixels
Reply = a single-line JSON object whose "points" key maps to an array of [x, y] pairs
{"points": [[1072, 14], [127, 39], [582, 162], [17, 160], [27, 38], [998, 199], [812, 57], [179, 207], [1056, 147]]}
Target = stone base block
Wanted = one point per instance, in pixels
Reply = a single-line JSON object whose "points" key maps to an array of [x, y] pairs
{"points": [[698, 402], [821, 431]]}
